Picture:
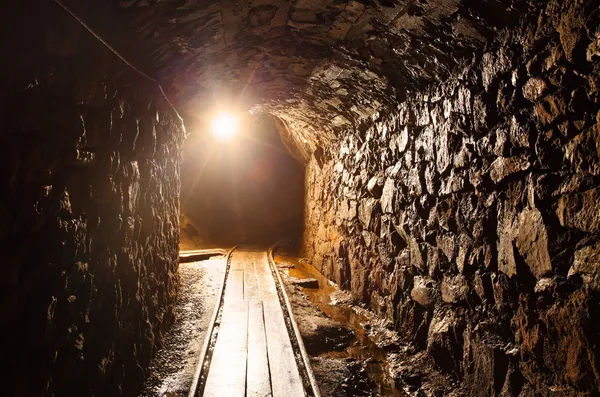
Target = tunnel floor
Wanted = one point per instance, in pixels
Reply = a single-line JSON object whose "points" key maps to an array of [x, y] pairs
{"points": [[251, 350], [173, 367]]}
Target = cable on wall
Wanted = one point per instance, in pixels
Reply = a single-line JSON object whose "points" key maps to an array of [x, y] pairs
{"points": [[101, 40]]}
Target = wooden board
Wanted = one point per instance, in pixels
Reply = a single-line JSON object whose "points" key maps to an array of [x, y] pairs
{"points": [[285, 378], [259, 284], [258, 380], [251, 291], [264, 278], [234, 290], [253, 355], [227, 372]]}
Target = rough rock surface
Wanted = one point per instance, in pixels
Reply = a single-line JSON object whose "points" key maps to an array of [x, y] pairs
{"points": [[321, 66], [481, 244], [89, 212]]}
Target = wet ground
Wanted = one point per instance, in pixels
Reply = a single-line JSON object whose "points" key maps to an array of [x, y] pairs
{"points": [[353, 352], [346, 360], [173, 367]]}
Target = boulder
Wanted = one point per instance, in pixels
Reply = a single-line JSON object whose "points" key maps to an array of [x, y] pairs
{"points": [[534, 89], [532, 242], [587, 264], [425, 291], [580, 211]]}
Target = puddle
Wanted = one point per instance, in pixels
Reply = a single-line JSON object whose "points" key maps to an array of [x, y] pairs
{"points": [[363, 349]]}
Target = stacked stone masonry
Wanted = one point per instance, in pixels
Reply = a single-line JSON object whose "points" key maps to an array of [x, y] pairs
{"points": [[469, 214], [89, 212]]}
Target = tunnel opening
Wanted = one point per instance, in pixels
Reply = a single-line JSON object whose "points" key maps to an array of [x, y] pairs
{"points": [[247, 188]]}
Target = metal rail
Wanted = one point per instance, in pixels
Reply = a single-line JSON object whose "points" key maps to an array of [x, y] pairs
{"points": [[211, 328], [316, 392]]}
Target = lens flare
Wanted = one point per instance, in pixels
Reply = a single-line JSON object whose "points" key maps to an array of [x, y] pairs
{"points": [[224, 126]]}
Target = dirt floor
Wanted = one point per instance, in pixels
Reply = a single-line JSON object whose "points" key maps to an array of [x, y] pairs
{"points": [[354, 353], [173, 367]]}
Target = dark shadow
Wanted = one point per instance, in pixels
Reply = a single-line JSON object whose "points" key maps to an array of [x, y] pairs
{"points": [[249, 189]]}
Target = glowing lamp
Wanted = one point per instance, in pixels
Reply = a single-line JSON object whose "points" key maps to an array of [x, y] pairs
{"points": [[224, 126]]}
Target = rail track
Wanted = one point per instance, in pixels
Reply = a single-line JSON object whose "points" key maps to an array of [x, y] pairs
{"points": [[253, 346]]}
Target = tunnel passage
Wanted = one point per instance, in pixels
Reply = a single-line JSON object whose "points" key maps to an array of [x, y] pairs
{"points": [[248, 188], [452, 176]]}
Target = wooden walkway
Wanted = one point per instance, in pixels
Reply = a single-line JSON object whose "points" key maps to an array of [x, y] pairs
{"points": [[253, 356]]}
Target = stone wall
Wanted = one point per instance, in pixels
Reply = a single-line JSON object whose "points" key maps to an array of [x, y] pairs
{"points": [[469, 214], [89, 208]]}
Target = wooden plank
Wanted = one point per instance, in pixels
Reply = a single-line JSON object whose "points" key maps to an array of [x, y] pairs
{"points": [[258, 380], [234, 291], [237, 260], [265, 281], [227, 372], [251, 291], [285, 377]]}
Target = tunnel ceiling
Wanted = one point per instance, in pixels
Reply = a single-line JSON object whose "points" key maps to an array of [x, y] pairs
{"points": [[319, 65]]}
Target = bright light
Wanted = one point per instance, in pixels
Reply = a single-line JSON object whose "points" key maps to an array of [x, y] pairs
{"points": [[224, 126]]}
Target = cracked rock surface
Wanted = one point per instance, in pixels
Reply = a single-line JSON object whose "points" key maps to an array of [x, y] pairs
{"points": [[477, 224]]}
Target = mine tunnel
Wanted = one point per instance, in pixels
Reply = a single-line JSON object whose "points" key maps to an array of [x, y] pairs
{"points": [[243, 186], [304, 197]]}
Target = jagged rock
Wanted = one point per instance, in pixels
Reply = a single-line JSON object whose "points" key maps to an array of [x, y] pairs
{"points": [[444, 339], [549, 109], [365, 211], [447, 244], [503, 167], [545, 285], [580, 210], [586, 263], [424, 145], [571, 31], [443, 155], [593, 50], [583, 151], [482, 284], [534, 89], [483, 353], [503, 293], [347, 210], [388, 196], [491, 187], [454, 289], [532, 242], [375, 186]]}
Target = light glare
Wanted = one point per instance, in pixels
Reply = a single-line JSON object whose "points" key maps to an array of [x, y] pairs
{"points": [[224, 126]]}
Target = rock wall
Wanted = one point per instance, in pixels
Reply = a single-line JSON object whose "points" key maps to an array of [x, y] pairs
{"points": [[89, 204], [469, 214]]}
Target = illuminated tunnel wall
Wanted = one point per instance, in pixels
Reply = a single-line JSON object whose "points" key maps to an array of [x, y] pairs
{"points": [[89, 204]]}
